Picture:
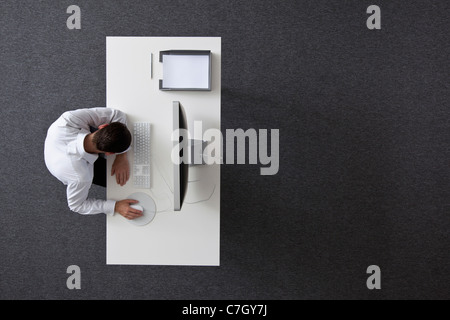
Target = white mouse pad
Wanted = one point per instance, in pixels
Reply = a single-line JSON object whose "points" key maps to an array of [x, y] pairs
{"points": [[146, 202]]}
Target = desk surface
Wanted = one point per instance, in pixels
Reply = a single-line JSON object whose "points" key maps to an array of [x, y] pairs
{"points": [[192, 235]]}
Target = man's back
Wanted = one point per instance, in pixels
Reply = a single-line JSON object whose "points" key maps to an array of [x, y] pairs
{"points": [[60, 152]]}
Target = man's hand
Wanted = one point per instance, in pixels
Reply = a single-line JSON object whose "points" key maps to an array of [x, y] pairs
{"points": [[121, 168], [123, 207]]}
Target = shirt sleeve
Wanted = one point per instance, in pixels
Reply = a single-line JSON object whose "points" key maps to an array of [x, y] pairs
{"points": [[94, 117], [77, 200]]}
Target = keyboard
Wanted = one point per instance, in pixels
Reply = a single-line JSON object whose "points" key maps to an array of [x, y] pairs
{"points": [[141, 163]]}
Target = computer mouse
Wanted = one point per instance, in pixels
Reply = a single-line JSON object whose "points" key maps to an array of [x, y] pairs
{"points": [[137, 207]]}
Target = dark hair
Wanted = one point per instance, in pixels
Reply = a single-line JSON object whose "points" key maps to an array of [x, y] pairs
{"points": [[113, 138]]}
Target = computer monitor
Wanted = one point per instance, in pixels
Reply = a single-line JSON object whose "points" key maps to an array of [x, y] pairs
{"points": [[180, 170]]}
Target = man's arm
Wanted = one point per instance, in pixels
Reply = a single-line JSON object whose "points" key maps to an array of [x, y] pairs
{"points": [[121, 168], [77, 199], [78, 202]]}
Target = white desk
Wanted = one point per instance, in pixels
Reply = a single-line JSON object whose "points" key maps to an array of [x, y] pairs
{"points": [[192, 235]]}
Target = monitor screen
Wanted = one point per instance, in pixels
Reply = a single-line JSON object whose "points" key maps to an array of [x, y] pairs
{"points": [[180, 170]]}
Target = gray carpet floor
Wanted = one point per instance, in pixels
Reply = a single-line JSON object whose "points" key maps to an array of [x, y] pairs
{"points": [[364, 149]]}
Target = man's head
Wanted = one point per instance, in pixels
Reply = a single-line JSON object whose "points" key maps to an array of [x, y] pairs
{"points": [[112, 138]]}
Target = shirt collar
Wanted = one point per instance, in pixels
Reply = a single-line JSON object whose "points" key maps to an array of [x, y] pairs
{"points": [[89, 157]]}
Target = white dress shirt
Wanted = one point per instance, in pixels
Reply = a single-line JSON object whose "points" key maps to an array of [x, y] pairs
{"points": [[67, 160]]}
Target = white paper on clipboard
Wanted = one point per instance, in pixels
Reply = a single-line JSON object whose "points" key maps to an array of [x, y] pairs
{"points": [[186, 71]]}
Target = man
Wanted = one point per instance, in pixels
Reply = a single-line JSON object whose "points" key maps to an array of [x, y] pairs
{"points": [[72, 147]]}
